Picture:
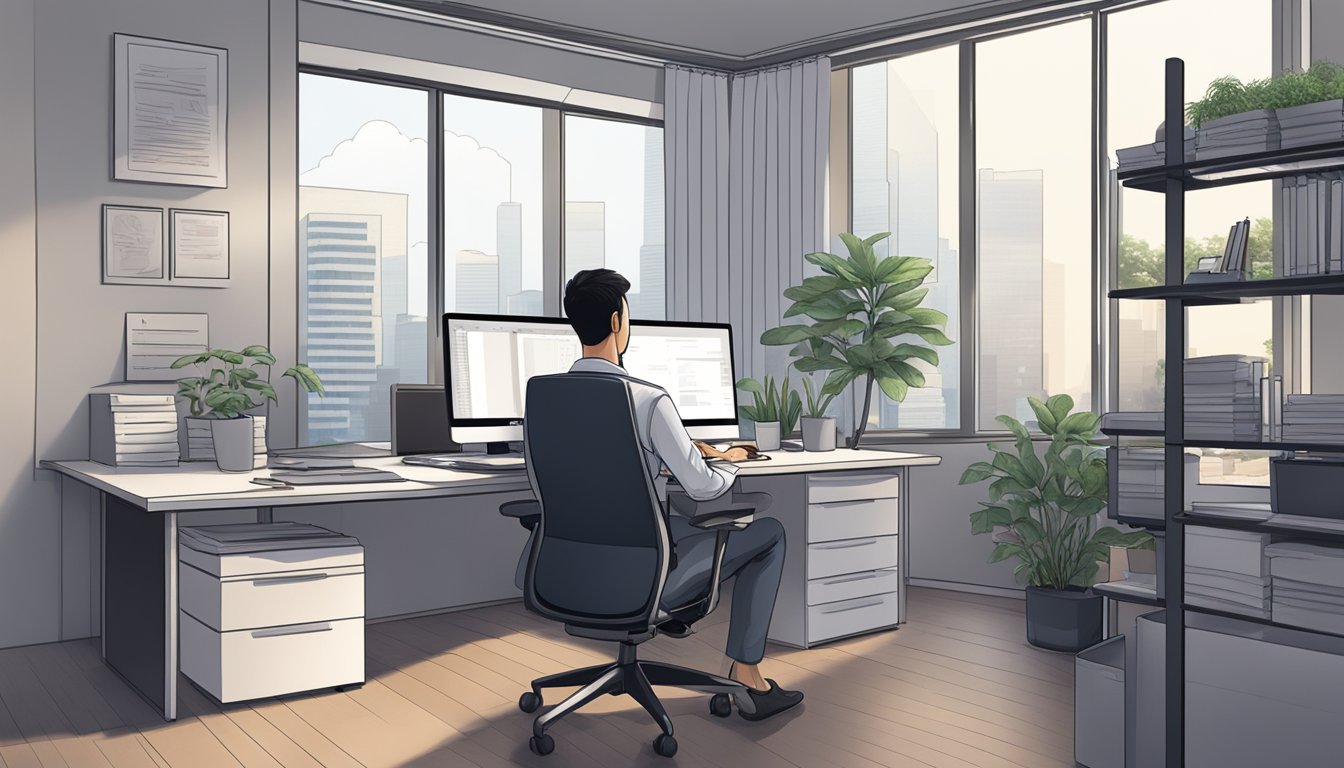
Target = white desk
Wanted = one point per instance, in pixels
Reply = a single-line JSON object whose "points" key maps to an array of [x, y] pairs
{"points": [[140, 508]]}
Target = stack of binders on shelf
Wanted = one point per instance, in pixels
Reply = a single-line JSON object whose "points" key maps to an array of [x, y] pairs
{"points": [[1239, 134], [1307, 581], [1227, 570], [133, 430], [1139, 481], [1222, 397], [1312, 216], [1313, 418], [1118, 421]]}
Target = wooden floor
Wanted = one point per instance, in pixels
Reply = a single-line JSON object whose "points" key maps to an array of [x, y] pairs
{"points": [[957, 686]]}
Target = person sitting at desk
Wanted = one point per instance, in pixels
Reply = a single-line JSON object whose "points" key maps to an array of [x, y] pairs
{"points": [[599, 313]]}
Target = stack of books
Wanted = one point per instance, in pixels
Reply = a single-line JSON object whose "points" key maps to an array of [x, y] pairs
{"points": [[1222, 397], [1227, 571], [1152, 155], [1239, 134], [1119, 421], [1139, 482], [1313, 418], [1307, 589], [1312, 216], [133, 430], [200, 445]]}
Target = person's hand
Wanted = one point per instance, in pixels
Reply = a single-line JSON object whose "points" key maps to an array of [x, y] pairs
{"points": [[707, 451], [740, 453]]}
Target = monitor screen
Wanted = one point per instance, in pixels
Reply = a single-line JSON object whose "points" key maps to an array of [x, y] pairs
{"points": [[489, 358]]}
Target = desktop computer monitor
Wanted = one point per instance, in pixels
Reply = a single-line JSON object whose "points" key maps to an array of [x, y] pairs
{"points": [[489, 358]]}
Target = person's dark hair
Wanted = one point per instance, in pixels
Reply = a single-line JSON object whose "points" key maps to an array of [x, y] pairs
{"points": [[590, 297]]}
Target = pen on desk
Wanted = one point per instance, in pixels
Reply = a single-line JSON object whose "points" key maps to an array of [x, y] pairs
{"points": [[271, 483]]}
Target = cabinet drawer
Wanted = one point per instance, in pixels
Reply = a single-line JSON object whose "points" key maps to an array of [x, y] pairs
{"points": [[852, 585], [276, 561], [853, 519], [850, 617], [851, 556], [259, 663], [251, 602], [851, 486]]}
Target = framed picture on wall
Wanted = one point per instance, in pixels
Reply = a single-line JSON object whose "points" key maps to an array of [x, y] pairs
{"points": [[200, 247], [133, 245], [170, 112]]}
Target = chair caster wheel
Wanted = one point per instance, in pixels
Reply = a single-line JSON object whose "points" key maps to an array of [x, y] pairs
{"points": [[545, 745], [529, 702], [720, 705], [665, 745]]}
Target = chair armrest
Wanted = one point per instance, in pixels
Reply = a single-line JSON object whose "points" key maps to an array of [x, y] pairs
{"points": [[733, 511], [526, 511]]}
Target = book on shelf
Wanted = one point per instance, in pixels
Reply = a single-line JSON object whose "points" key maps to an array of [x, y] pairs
{"points": [[1335, 253]]}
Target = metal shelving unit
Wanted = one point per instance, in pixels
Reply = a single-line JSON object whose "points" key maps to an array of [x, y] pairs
{"points": [[1173, 180]]}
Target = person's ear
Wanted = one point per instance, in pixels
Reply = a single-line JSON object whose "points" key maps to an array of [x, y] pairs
{"points": [[615, 322]]}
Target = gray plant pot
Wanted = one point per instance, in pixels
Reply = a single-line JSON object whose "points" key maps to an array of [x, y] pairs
{"points": [[1241, 134], [1063, 620], [818, 433], [1307, 124], [233, 443], [767, 435]]}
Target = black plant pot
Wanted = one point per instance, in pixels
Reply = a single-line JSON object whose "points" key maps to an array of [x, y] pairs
{"points": [[1063, 620]]}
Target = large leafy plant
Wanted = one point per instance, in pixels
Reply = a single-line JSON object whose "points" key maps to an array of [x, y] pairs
{"points": [[230, 380], [1043, 509], [771, 403], [866, 322], [1229, 96]]}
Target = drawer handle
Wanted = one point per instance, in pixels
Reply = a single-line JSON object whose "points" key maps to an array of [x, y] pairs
{"points": [[830, 504], [854, 607], [283, 631], [847, 579], [289, 579], [846, 544]]}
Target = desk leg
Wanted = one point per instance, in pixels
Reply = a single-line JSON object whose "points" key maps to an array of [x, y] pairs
{"points": [[140, 600]]}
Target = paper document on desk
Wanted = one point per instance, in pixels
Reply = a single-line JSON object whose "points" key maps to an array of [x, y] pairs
{"points": [[487, 463], [336, 476]]}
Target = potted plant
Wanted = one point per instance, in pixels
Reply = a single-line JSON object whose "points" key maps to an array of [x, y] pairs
{"points": [[818, 428], [866, 323], [774, 411], [1042, 510], [224, 391]]}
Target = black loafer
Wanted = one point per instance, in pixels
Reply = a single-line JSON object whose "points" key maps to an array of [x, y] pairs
{"points": [[770, 703]]}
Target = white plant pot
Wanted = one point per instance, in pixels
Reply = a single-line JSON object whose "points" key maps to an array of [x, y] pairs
{"points": [[767, 435], [818, 433], [233, 443]]}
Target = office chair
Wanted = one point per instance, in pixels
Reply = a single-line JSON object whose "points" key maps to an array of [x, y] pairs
{"points": [[600, 551]]}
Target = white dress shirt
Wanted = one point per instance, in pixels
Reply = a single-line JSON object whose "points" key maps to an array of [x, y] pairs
{"points": [[664, 438]]}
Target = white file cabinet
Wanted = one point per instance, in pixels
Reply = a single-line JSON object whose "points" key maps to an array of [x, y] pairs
{"points": [[270, 609], [842, 558]]}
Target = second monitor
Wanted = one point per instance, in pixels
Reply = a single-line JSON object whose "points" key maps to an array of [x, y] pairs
{"points": [[489, 358]]}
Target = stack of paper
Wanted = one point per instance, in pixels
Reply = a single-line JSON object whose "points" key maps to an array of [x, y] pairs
{"points": [[1308, 124], [1313, 418], [1132, 420], [1139, 481], [1222, 398], [133, 430], [1227, 571], [1239, 134], [260, 537], [1312, 217], [201, 446], [1153, 155], [1308, 584]]}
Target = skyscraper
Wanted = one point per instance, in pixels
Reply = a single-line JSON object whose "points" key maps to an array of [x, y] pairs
{"points": [[1011, 258], [650, 302], [346, 240], [585, 235], [509, 243], [477, 282]]}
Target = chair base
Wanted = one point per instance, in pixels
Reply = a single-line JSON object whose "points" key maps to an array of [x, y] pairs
{"points": [[632, 677]]}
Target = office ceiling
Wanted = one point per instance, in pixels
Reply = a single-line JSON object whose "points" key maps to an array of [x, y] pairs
{"points": [[730, 34]]}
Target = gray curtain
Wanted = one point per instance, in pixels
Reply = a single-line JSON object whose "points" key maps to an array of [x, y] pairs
{"points": [[746, 176]]}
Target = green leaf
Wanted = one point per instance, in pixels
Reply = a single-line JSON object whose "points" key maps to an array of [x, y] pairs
{"points": [[831, 307], [1060, 405], [837, 267], [893, 387], [749, 385], [907, 372], [838, 380], [186, 360], [227, 356], [976, 473], [872, 240], [1004, 551], [792, 333], [916, 351], [812, 364], [1045, 418], [1004, 485], [259, 353], [1081, 424], [307, 378], [815, 287], [926, 316], [980, 522]]}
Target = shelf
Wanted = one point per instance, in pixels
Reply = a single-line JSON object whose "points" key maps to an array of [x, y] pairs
{"points": [[1127, 432], [1234, 292], [1306, 534], [1152, 524], [1239, 169], [1256, 620], [1127, 596], [1278, 445]]}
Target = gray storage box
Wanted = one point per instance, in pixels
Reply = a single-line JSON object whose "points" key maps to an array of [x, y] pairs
{"points": [[1149, 672], [1099, 705]]}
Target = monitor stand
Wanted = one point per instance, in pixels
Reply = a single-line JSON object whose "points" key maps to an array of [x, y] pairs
{"points": [[497, 449]]}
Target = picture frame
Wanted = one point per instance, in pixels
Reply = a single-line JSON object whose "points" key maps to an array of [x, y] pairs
{"points": [[132, 245], [169, 136], [199, 247]]}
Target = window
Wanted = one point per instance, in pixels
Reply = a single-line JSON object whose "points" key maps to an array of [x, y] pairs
{"points": [[492, 206], [1034, 219], [614, 206], [363, 249], [904, 143]]}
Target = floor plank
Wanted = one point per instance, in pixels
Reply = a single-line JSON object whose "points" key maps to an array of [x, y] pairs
{"points": [[957, 686]]}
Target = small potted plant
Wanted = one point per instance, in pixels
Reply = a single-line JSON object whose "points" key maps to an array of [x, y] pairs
{"points": [[774, 411], [818, 428], [225, 390], [1043, 510]]}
